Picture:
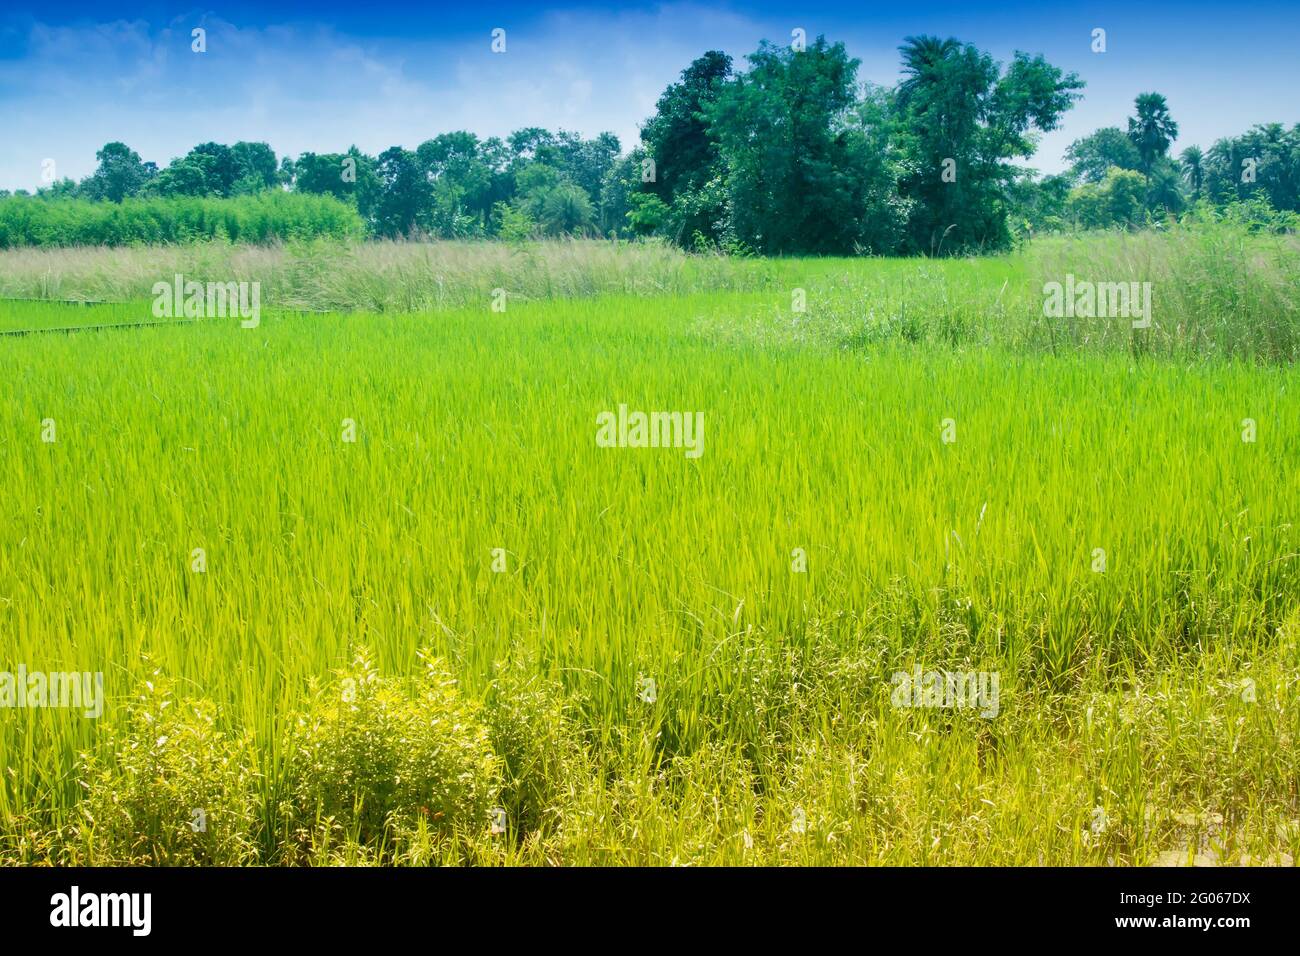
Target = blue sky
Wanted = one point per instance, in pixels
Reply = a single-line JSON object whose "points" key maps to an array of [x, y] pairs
{"points": [[324, 75]]}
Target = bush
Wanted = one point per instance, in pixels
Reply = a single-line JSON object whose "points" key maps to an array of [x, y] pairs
{"points": [[513, 224], [175, 791], [373, 761], [265, 217]]}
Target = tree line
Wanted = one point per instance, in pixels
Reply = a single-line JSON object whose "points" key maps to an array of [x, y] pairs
{"points": [[1128, 176], [791, 155]]}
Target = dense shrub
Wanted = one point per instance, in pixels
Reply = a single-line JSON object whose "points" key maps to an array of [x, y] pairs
{"points": [[264, 217], [375, 760], [173, 789]]}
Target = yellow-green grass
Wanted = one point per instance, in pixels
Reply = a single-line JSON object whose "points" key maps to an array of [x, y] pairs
{"points": [[1147, 712]]}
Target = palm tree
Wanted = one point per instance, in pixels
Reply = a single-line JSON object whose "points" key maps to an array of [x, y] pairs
{"points": [[1223, 170], [1192, 161], [923, 59], [1153, 129], [566, 210]]}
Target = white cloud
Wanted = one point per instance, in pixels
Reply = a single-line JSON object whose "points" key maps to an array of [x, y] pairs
{"points": [[301, 87]]}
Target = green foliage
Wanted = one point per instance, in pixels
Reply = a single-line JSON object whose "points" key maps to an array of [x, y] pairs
{"points": [[405, 195], [648, 213], [212, 169], [465, 183], [374, 760], [559, 207], [256, 165], [1038, 204], [963, 119], [349, 177], [266, 217], [1164, 194], [1094, 155], [1192, 164], [586, 162], [800, 177], [513, 224], [683, 148], [1118, 200], [787, 156], [1261, 163], [172, 789], [120, 174], [621, 192]]}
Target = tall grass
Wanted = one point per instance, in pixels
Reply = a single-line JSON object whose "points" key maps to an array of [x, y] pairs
{"points": [[1218, 289], [380, 276]]}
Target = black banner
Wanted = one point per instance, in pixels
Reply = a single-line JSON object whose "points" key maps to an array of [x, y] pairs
{"points": [[1224, 906]]}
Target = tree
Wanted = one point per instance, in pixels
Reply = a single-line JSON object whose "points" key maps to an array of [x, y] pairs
{"points": [[512, 224], [532, 183], [1192, 163], [680, 149], [188, 176], [677, 137], [1039, 204], [790, 179], [586, 161], [566, 210], [65, 188], [873, 140], [1119, 199], [621, 188], [1092, 157], [1263, 162], [404, 198], [462, 183], [802, 166], [209, 169], [255, 168], [646, 214], [220, 166], [1152, 130], [1164, 193], [549, 198], [120, 174], [962, 119], [532, 144]]}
